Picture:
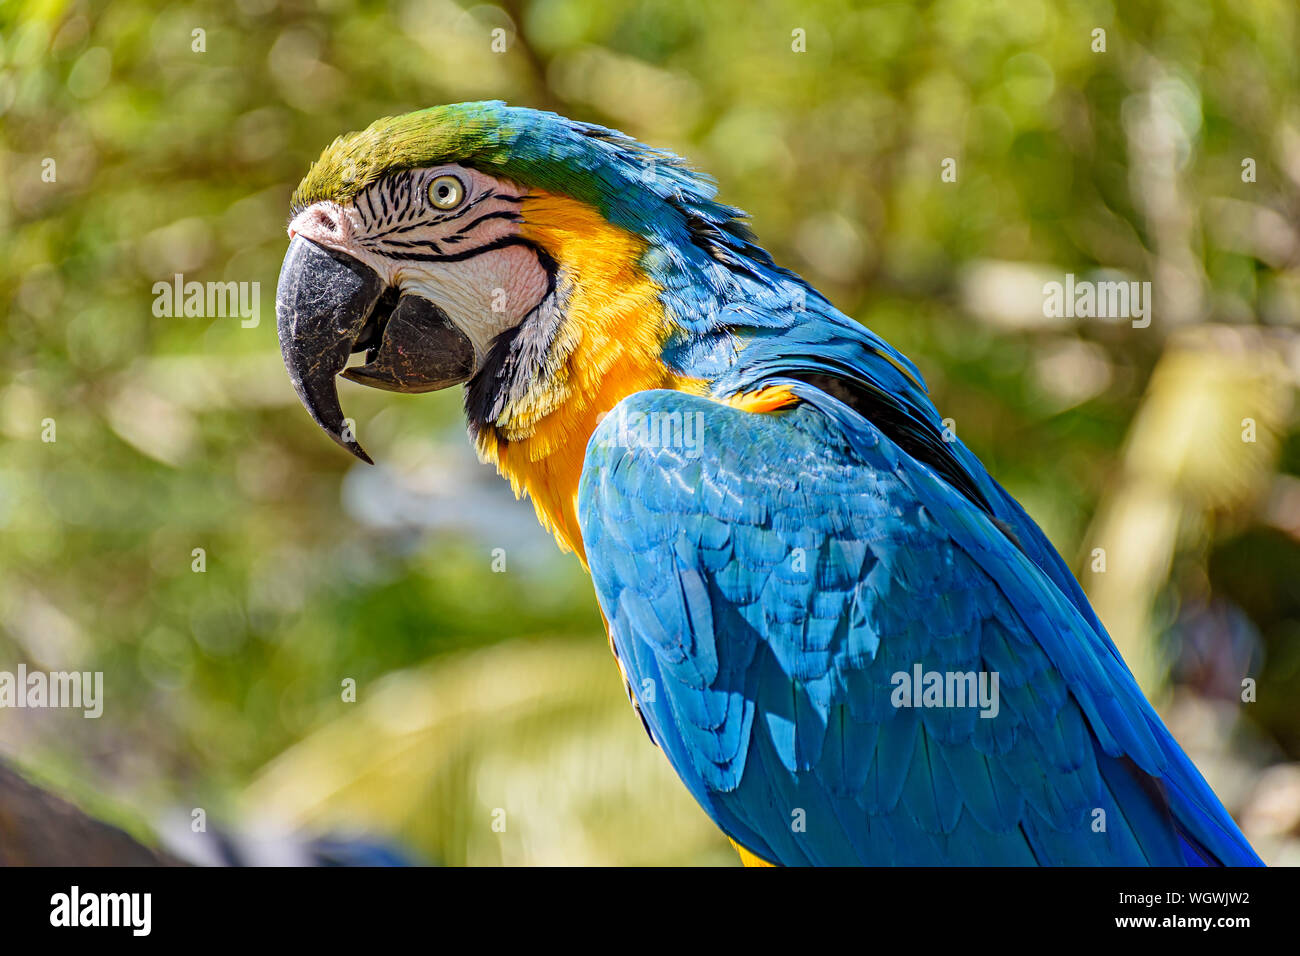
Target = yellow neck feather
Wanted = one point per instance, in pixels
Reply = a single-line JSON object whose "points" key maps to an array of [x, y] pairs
{"points": [[610, 341]]}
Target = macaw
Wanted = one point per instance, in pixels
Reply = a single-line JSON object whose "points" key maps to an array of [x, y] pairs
{"points": [[851, 644]]}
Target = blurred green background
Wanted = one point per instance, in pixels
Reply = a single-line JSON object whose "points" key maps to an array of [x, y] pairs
{"points": [[1170, 453]]}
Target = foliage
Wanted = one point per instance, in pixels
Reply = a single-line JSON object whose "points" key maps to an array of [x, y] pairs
{"points": [[179, 433]]}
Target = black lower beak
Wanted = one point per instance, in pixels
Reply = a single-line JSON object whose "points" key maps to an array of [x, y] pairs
{"points": [[328, 305], [419, 351]]}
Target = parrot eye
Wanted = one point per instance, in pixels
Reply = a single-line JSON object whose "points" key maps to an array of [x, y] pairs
{"points": [[446, 192]]}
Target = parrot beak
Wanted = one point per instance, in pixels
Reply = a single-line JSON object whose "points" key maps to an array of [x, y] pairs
{"points": [[328, 305], [419, 351]]}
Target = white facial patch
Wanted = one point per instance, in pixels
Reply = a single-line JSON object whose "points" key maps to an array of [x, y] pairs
{"points": [[467, 260], [485, 295]]}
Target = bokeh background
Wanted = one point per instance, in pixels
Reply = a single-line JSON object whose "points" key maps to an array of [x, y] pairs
{"points": [[1172, 451]]}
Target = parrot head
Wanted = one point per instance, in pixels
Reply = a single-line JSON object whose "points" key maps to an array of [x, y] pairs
{"points": [[551, 266], [447, 242]]}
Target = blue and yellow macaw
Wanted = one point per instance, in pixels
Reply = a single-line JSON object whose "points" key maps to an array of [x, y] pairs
{"points": [[852, 645]]}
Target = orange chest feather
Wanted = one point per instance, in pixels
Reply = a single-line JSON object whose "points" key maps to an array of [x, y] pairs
{"points": [[609, 345]]}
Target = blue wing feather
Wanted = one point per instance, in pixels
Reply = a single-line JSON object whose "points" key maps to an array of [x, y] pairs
{"points": [[760, 611]]}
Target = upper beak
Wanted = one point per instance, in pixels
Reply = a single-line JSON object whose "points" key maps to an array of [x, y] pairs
{"points": [[329, 305]]}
